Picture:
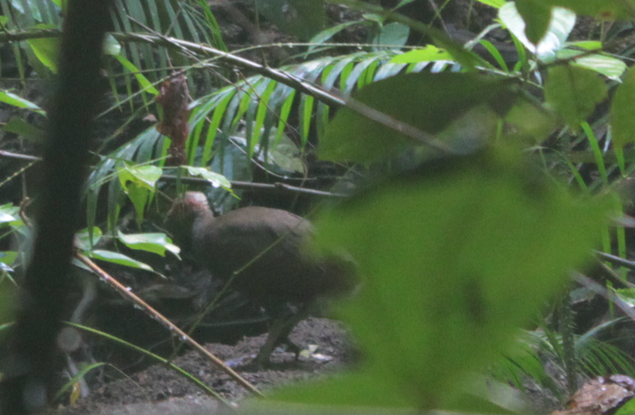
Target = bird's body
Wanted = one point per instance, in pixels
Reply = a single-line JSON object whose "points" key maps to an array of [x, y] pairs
{"points": [[262, 252]]}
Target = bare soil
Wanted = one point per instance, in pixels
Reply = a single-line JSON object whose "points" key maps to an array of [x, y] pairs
{"points": [[158, 390]]}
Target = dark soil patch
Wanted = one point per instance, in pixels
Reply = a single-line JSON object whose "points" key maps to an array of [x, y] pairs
{"points": [[160, 390]]}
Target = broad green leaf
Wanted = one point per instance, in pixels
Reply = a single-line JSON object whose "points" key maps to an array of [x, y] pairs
{"points": [[144, 176], [139, 196], [494, 3], [428, 53], [215, 179], [455, 258], [16, 101], [428, 102], [4, 218], [8, 213], [560, 24], [156, 243], [111, 46], [46, 49], [628, 408], [622, 110], [8, 257], [574, 92], [536, 16], [138, 182], [586, 44], [120, 259], [608, 66], [19, 126], [83, 238]]}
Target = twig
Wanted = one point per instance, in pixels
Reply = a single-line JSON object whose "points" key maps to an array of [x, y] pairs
{"points": [[196, 180], [166, 323], [18, 156], [594, 286], [248, 185]]}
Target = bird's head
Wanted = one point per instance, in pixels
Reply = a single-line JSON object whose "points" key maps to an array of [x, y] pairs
{"points": [[184, 211]]}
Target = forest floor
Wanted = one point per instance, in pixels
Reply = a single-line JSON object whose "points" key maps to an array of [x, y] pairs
{"points": [[157, 389]]}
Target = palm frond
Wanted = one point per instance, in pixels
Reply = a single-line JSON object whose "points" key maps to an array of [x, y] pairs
{"points": [[267, 105]]}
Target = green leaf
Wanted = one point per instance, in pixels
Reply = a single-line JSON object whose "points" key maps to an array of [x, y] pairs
{"points": [[622, 110], [120, 259], [144, 176], [215, 179], [428, 53], [494, 3], [537, 16], [84, 241], [16, 101], [10, 215], [156, 243], [19, 126], [139, 182], [428, 102], [46, 49], [4, 218], [111, 46], [143, 81], [608, 66], [574, 92], [560, 23], [453, 264], [628, 408]]}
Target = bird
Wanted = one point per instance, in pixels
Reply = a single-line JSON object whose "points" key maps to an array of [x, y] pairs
{"points": [[261, 253]]}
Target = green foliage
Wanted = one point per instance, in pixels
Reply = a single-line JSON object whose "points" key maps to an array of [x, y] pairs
{"points": [[428, 102], [157, 243], [458, 253], [139, 183], [574, 92], [448, 255], [537, 16], [46, 50], [622, 111]]}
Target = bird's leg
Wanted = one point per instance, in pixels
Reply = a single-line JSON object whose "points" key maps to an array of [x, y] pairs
{"points": [[277, 328], [279, 333], [289, 325]]}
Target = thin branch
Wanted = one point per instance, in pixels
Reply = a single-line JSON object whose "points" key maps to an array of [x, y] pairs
{"points": [[597, 288], [195, 180], [104, 276], [247, 185], [18, 156]]}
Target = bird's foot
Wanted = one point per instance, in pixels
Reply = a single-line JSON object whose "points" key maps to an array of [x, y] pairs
{"points": [[293, 348]]}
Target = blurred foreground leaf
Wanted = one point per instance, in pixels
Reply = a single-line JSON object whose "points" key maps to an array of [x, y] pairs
{"points": [[455, 257], [425, 101]]}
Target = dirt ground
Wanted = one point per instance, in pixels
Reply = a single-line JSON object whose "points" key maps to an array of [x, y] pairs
{"points": [[158, 390]]}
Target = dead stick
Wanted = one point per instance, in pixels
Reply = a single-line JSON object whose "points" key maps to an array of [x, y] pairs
{"points": [[166, 323]]}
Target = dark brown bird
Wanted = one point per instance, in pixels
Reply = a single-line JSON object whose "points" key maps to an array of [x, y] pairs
{"points": [[260, 251]]}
